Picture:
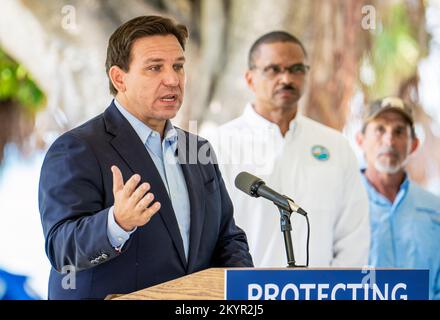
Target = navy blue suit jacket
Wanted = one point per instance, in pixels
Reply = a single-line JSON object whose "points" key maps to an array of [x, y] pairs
{"points": [[75, 194]]}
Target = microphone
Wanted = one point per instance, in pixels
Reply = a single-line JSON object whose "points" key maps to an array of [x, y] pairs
{"points": [[256, 187]]}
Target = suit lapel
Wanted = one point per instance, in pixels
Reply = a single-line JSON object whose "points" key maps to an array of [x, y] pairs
{"points": [[194, 182], [127, 143]]}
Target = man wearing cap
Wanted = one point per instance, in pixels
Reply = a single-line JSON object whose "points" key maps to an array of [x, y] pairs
{"points": [[405, 219]]}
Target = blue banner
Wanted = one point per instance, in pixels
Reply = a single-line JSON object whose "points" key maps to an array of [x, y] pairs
{"points": [[328, 284]]}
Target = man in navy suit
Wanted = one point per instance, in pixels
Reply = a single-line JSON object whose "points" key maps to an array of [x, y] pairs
{"points": [[127, 200]]}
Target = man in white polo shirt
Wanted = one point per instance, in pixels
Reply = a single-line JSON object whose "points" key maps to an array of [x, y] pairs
{"points": [[298, 157]]}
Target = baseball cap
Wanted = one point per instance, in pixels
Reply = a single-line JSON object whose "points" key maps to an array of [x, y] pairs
{"points": [[389, 103]]}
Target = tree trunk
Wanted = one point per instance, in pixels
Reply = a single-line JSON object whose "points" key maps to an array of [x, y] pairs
{"points": [[339, 42]]}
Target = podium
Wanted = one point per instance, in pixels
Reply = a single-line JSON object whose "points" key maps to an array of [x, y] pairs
{"points": [[291, 284], [208, 284]]}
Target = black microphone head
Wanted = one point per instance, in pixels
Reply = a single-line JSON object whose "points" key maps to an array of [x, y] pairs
{"points": [[248, 183]]}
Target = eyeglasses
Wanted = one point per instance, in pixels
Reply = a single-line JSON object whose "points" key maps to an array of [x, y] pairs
{"points": [[273, 70]]}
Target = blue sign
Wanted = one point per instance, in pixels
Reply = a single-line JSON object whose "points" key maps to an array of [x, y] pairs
{"points": [[328, 284]]}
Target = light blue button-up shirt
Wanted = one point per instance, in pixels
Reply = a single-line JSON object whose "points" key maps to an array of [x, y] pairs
{"points": [[406, 233], [164, 155]]}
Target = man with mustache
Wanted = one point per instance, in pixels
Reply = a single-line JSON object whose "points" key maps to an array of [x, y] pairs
{"points": [[296, 156], [124, 202], [405, 219]]}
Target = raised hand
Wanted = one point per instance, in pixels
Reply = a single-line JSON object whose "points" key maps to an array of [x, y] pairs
{"points": [[132, 204]]}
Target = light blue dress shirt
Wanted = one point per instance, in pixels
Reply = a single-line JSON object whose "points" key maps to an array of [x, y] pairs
{"points": [[164, 155], [406, 233]]}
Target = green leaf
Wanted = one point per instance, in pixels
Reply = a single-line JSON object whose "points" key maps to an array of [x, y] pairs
{"points": [[17, 85]]}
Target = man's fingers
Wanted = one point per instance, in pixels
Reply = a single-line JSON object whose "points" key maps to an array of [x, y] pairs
{"points": [[118, 180], [145, 201], [147, 214], [139, 192], [131, 184]]}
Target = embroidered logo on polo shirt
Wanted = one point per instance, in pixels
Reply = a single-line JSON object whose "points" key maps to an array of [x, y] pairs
{"points": [[320, 153]]}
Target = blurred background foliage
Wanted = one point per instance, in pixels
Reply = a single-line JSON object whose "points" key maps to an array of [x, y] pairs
{"points": [[20, 100], [396, 50], [16, 85]]}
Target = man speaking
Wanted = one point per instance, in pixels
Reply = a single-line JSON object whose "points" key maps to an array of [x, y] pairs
{"points": [[121, 206]]}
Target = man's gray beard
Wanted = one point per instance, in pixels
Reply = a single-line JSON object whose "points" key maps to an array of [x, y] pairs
{"points": [[390, 169]]}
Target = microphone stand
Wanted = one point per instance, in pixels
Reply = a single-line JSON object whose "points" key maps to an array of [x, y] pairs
{"points": [[286, 227]]}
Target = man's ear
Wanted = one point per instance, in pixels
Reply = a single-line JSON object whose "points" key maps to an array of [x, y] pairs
{"points": [[117, 76], [249, 79], [359, 139], [414, 144]]}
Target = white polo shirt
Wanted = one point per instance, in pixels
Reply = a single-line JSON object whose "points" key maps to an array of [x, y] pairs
{"points": [[312, 164]]}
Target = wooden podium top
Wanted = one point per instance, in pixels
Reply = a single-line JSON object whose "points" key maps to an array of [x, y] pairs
{"points": [[208, 284]]}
